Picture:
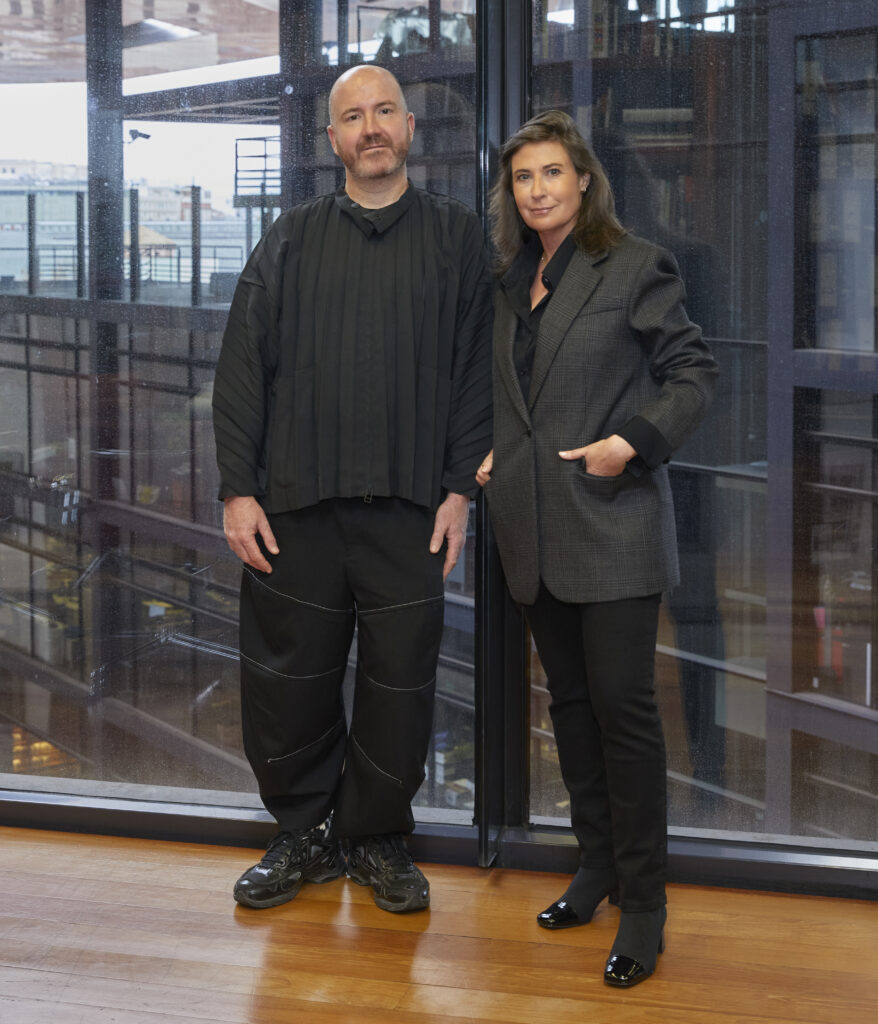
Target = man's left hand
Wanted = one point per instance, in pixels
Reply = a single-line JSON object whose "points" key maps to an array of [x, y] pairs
{"points": [[450, 525]]}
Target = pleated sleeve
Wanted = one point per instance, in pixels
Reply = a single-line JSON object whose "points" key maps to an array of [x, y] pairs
{"points": [[245, 369], [470, 420]]}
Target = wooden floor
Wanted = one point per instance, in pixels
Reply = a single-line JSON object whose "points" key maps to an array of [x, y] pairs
{"points": [[96, 930]]}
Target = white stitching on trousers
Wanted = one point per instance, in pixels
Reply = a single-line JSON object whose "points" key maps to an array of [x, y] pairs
{"points": [[286, 675], [400, 689], [320, 739], [298, 600], [394, 607], [371, 762]]}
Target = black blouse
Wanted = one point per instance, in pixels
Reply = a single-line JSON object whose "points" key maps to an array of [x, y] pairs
{"points": [[516, 282]]}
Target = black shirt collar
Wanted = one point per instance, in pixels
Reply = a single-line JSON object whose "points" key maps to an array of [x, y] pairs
{"points": [[559, 262], [371, 221], [525, 264]]}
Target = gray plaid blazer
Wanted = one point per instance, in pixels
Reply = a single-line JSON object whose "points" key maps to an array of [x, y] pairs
{"points": [[614, 342]]}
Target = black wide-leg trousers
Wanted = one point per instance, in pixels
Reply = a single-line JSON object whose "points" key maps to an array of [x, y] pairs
{"points": [[599, 661], [343, 562]]}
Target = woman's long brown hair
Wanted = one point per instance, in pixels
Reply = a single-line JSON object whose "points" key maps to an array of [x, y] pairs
{"points": [[597, 227]]}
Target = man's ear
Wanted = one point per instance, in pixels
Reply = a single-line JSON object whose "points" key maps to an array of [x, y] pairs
{"points": [[331, 135]]}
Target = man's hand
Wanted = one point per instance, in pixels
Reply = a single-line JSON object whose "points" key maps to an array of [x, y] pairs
{"points": [[603, 458], [450, 525], [243, 519], [483, 473]]}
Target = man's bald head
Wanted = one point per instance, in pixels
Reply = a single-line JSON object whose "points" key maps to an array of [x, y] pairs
{"points": [[350, 82], [370, 130]]}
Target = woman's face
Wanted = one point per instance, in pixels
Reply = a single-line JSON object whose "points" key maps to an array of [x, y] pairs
{"points": [[546, 188]]}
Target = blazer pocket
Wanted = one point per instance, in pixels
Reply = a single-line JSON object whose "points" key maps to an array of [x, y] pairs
{"points": [[602, 483]]}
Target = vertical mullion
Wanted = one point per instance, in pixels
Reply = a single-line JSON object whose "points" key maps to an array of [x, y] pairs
{"points": [[195, 247], [103, 70], [503, 74], [779, 423], [33, 263], [134, 245]]}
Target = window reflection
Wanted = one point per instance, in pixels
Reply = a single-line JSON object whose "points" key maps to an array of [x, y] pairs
{"points": [[836, 567], [178, 36], [385, 31], [675, 97], [118, 601], [834, 790], [835, 193]]}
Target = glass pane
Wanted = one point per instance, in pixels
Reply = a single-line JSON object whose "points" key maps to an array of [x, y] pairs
{"points": [[40, 190], [396, 28], [205, 231], [838, 509], [126, 639], [835, 192], [442, 156], [675, 99], [834, 790], [209, 44], [118, 595]]}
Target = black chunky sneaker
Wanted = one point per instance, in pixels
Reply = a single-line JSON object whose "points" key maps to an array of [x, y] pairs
{"points": [[385, 863], [291, 859]]}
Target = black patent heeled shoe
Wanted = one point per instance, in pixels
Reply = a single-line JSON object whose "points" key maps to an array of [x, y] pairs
{"points": [[583, 896], [639, 940]]}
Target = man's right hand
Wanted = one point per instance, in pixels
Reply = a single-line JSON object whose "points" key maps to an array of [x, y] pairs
{"points": [[243, 519]]}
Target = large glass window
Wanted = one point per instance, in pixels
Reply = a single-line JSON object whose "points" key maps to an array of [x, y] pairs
{"points": [[118, 602], [677, 101], [836, 117], [133, 186], [838, 533]]}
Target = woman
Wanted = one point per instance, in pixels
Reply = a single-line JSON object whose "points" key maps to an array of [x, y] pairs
{"points": [[598, 377]]}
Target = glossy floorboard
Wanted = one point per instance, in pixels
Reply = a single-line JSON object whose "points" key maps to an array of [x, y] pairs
{"points": [[97, 930]]}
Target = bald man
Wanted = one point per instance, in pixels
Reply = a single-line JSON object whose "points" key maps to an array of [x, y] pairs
{"points": [[352, 407]]}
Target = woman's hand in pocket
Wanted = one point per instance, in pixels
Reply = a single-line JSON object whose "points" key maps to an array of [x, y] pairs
{"points": [[602, 458]]}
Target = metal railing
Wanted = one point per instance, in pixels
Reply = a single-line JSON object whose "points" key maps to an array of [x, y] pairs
{"points": [[257, 168], [159, 264]]}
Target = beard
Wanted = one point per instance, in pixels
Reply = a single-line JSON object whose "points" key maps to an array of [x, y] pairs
{"points": [[378, 163]]}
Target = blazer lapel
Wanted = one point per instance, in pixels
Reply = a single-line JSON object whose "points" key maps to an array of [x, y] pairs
{"points": [[575, 288], [505, 324]]}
